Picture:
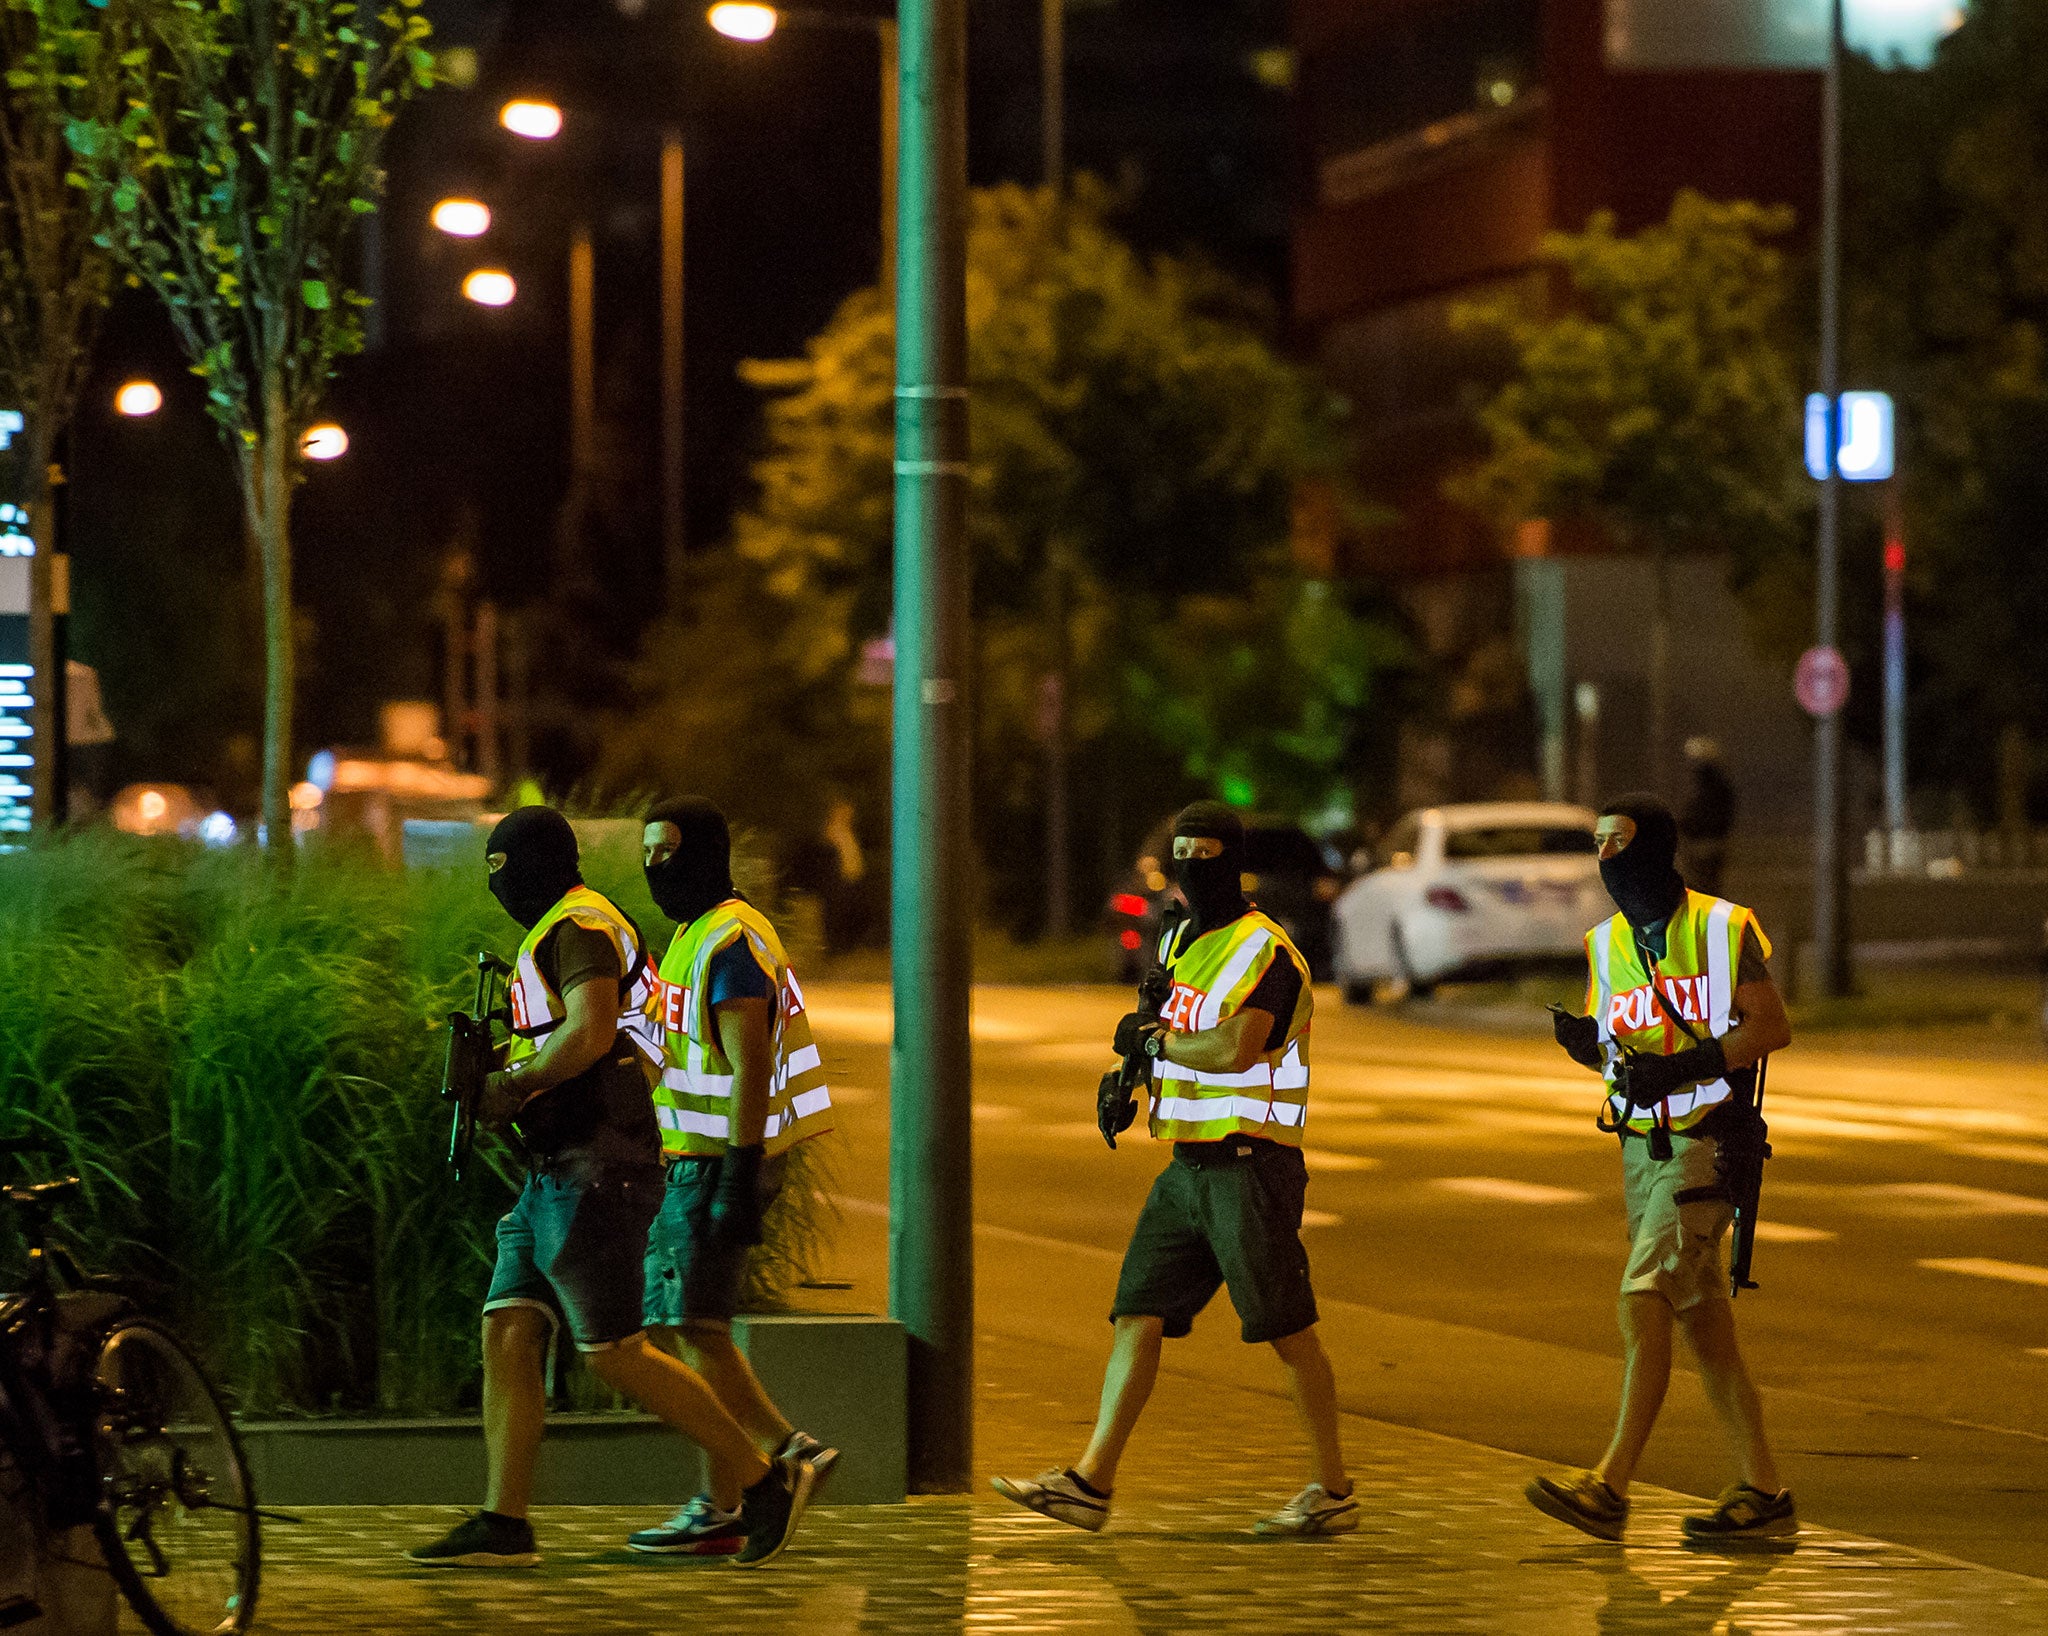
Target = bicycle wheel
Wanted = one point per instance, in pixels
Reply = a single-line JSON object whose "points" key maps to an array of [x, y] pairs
{"points": [[177, 1519]]}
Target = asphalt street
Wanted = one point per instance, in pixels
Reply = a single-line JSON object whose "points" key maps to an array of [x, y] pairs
{"points": [[1465, 1229]]}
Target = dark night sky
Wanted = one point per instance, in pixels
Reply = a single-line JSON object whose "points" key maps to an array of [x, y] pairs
{"points": [[458, 414]]}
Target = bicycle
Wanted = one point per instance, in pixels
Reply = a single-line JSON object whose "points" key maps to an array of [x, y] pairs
{"points": [[109, 1422]]}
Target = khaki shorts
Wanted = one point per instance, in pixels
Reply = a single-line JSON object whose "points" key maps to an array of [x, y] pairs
{"points": [[1674, 1249]]}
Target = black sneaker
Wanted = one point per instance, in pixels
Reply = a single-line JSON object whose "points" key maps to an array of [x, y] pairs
{"points": [[482, 1540], [1584, 1501], [818, 1456], [1745, 1513], [770, 1509]]}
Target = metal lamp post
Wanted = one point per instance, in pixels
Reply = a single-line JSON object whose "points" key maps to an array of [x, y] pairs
{"points": [[931, 1200]]}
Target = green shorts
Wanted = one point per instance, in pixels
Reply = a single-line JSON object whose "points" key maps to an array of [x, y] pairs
{"points": [[1223, 1215]]}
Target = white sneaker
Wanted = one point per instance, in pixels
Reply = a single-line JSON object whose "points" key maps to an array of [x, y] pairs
{"points": [[1315, 1510], [1055, 1494]]}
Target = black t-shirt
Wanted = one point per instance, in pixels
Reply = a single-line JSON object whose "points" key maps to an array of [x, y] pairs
{"points": [[605, 1112]]}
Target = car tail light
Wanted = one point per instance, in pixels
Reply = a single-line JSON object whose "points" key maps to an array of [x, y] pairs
{"points": [[1129, 903], [1447, 898], [1131, 938]]}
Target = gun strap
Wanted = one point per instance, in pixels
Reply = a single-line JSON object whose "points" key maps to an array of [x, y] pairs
{"points": [[1715, 1193], [1664, 1005]]}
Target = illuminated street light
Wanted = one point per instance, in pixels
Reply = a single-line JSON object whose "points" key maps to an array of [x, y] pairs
{"points": [[138, 398], [536, 121], [490, 287], [326, 441], [462, 218], [743, 22]]}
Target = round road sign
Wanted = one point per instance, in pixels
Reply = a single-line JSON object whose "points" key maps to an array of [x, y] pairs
{"points": [[1821, 683]]}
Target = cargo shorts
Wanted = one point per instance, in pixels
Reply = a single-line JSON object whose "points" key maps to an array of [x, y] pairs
{"points": [[1223, 1215], [1674, 1249]]}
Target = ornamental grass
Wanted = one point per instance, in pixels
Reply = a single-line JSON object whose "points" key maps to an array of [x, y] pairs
{"points": [[244, 1071]]}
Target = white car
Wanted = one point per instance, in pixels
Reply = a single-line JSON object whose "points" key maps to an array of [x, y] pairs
{"points": [[1474, 891]]}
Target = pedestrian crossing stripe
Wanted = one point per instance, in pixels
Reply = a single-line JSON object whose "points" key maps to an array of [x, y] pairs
{"points": [[2013, 1272]]}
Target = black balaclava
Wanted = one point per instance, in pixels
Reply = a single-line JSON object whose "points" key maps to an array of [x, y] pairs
{"points": [[540, 862], [1642, 877], [698, 875], [1214, 887]]}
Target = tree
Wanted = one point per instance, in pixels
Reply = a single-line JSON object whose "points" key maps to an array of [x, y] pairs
{"points": [[1137, 442], [54, 280], [1658, 400], [233, 174]]}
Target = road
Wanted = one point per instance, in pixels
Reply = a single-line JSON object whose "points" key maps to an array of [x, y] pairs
{"points": [[1465, 1230]]}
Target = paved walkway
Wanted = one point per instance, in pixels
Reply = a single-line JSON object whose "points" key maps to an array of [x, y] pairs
{"points": [[1447, 1545]]}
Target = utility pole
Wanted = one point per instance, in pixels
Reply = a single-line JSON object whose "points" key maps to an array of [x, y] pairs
{"points": [[1052, 139], [674, 528], [1830, 876], [1052, 92], [931, 1200], [886, 42]]}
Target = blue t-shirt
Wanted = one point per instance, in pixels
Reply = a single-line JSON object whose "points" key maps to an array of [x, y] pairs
{"points": [[735, 974]]}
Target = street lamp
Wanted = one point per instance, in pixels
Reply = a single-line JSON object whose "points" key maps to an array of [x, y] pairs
{"points": [[535, 120], [325, 441], [490, 287], [462, 218], [752, 24], [743, 22], [138, 398]]}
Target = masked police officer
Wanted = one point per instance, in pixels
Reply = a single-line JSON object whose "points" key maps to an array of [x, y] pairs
{"points": [[1682, 1008], [741, 1085], [1230, 1050], [571, 1251]]}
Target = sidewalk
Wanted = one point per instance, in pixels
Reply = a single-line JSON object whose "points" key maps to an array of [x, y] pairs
{"points": [[1447, 1545]]}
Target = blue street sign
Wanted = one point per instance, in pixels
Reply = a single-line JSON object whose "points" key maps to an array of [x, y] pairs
{"points": [[1865, 450]]}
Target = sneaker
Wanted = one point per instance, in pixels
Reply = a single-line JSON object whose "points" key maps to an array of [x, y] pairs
{"points": [[482, 1540], [1745, 1513], [699, 1529], [1057, 1494], [801, 1445], [1585, 1502], [770, 1509], [1315, 1510]]}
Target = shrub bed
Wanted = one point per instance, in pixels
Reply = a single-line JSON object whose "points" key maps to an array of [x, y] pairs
{"points": [[244, 1071]]}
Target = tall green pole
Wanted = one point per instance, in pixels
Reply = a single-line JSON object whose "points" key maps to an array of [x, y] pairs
{"points": [[931, 1198]]}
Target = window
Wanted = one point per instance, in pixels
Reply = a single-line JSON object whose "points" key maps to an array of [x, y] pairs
{"points": [[1523, 842]]}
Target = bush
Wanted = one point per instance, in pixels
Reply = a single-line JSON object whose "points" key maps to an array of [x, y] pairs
{"points": [[243, 1070]]}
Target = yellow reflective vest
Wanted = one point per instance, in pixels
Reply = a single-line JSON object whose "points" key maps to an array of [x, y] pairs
{"points": [[693, 1102], [537, 1010], [1211, 978], [1696, 976]]}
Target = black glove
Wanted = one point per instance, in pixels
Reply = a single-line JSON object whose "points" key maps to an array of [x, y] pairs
{"points": [[1580, 1037], [736, 1203], [1153, 991], [1140, 1036], [1651, 1078], [1115, 1107]]}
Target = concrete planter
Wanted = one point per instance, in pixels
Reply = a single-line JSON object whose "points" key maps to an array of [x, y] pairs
{"points": [[838, 1376]]}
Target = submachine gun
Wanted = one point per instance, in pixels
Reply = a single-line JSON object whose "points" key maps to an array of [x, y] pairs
{"points": [[1116, 1096], [470, 1058], [1745, 1144]]}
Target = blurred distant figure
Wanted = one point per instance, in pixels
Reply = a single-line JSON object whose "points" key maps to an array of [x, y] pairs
{"points": [[1707, 818], [833, 868]]}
